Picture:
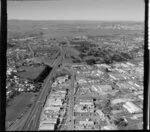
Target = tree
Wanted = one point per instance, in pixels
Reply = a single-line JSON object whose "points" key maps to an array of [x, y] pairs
{"points": [[91, 61]]}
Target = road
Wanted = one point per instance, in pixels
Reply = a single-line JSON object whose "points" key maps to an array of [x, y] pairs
{"points": [[31, 120], [71, 105]]}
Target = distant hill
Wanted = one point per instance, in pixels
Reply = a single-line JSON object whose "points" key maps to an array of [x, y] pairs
{"points": [[60, 29]]}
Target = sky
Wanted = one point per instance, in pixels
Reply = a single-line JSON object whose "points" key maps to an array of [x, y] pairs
{"points": [[105, 10]]}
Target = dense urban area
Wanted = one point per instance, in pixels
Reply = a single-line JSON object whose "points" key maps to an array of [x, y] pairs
{"points": [[67, 75]]}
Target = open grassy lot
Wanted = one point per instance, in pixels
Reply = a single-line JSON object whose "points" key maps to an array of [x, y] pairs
{"points": [[31, 72], [18, 105]]}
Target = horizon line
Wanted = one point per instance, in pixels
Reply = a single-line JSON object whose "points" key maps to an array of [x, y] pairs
{"points": [[73, 20]]}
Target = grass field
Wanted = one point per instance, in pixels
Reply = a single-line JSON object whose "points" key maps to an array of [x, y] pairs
{"points": [[31, 72], [18, 105]]}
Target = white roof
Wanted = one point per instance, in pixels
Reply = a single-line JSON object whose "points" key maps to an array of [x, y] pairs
{"points": [[105, 87], [53, 102], [50, 121], [120, 100], [48, 117], [128, 63], [47, 127], [52, 108], [132, 108], [86, 122], [100, 112]]}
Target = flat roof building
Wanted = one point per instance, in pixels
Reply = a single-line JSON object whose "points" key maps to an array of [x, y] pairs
{"points": [[53, 102], [50, 121], [132, 108], [101, 114], [86, 123], [47, 126]]}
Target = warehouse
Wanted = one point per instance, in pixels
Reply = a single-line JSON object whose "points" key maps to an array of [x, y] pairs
{"points": [[47, 127], [132, 108], [116, 77], [101, 114], [53, 102], [51, 109], [50, 121], [120, 100], [86, 123], [49, 116], [105, 87]]}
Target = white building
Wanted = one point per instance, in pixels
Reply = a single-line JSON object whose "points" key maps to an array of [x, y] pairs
{"points": [[132, 108]]}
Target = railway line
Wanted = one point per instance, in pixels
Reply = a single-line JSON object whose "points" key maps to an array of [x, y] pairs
{"points": [[31, 120]]}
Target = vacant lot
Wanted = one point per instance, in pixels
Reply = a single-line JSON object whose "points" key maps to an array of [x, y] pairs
{"points": [[18, 105], [31, 72]]}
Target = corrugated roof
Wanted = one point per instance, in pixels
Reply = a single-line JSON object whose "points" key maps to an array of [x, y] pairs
{"points": [[132, 108], [47, 122], [47, 127], [86, 122]]}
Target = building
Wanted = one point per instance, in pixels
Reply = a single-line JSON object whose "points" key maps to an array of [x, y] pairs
{"points": [[84, 106], [103, 65], [50, 121], [130, 64], [121, 100], [101, 114], [132, 108], [47, 126], [116, 77], [86, 123], [53, 102], [102, 88]]}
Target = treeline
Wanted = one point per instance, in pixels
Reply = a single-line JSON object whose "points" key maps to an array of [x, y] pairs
{"points": [[91, 54], [43, 75]]}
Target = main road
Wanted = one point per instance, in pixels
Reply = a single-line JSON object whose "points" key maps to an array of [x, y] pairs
{"points": [[70, 120]]}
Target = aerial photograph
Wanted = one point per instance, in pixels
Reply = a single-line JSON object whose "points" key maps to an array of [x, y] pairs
{"points": [[74, 65]]}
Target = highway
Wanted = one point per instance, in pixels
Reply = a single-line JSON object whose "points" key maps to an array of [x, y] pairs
{"points": [[31, 120]]}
